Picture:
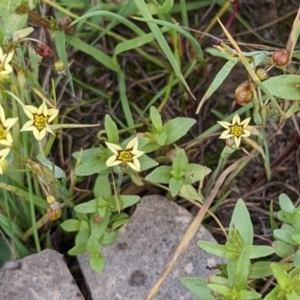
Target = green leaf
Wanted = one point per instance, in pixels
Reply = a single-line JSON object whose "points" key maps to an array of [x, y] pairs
{"points": [[120, 222], [284, 86], [97, 262], [260, 269], [241, 221], [146, 162], [177, 128], [84, 225], [285, 236], [282, 249], [77, 249], [259, 251], [285, 202], [71, 225], [102, 186], [179, 164], [285, 217], [98, 229], [87, 207], [92, 166], [175, 185], [160, 138], [156, 119], [195, 173], [187, 191], [108, 238], [86, 155], [161, 174], [198, 287], [92, 245], [215, 249], [128, 200], [296, 259], [111, 130], [82, 237], [281, 275], [242, 269]]}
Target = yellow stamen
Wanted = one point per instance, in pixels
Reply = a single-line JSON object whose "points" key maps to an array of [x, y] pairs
{"points": [[40, 121], [236, 130]]}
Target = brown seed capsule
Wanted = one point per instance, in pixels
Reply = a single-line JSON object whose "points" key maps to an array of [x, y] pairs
{"points": [[280, 58], [262, 74], [243, 94]]}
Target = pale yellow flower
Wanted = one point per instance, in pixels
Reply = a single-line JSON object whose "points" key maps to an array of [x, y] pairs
{"points": [[125, 156], [3, 161], [40, 118], [5, 67], [5, 125], [236, 129]]}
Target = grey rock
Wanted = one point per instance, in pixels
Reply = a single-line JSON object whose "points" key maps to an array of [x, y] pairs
{"points": [[42, 276], [142, 252]]}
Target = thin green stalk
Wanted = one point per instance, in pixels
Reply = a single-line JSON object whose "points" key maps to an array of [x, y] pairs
{"points": [[184, 15]]}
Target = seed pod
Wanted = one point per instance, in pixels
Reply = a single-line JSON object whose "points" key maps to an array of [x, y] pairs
{"points": [[60, 68], [44, 51], [243, 94], [262, 74], [280, 58]]}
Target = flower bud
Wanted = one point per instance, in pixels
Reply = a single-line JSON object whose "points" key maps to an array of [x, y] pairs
{"points": [[60, 68], [280, 58], [50, 199], [262, 74], [243, 94]]}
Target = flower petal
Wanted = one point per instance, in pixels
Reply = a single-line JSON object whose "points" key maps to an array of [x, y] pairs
{"points": [[133, 144], [137, 153], [8, 57], [113, 147], [112, 161], [135, 165], [237, 141], [225, 134], [236, 119], [224, 124], [245, 122], [9, 123], [4, 153], [246, 133], [28, 126], [30, 110]]}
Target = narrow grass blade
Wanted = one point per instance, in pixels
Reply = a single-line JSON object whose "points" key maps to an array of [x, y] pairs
{"points": [[180, 30], [218, 80], [137, 42], [98, 55], [141, 5], [124, 101], [60, 44]]}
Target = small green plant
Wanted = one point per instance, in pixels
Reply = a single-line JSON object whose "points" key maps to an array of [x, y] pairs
{"points": [[237, 276], [98, 219]]}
